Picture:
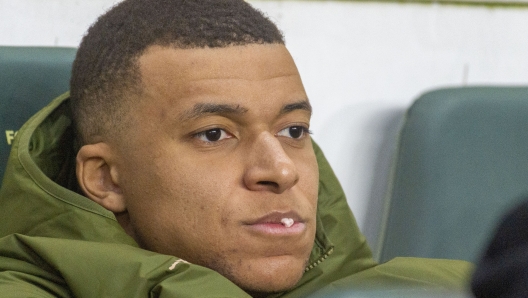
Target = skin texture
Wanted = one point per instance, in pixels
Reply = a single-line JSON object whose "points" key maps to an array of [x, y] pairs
{"points": [[217, 142]]}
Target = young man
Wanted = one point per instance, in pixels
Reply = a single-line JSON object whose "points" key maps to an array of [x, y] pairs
{"points": [[181, 165]]}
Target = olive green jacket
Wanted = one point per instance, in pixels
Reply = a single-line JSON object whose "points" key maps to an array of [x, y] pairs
{"points": [[55, 242]]}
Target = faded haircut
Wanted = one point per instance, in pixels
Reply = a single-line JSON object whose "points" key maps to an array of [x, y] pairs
{"points": [[105, 73]]}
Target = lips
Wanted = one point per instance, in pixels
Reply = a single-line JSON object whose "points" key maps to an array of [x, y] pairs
{"points": [[277, 223], [275, 217]]}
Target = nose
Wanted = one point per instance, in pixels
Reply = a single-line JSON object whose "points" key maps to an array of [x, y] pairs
{"points": [[268, 167]]}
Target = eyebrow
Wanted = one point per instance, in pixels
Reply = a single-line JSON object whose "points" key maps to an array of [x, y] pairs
{"points": [[300, 105], [202, 109]]}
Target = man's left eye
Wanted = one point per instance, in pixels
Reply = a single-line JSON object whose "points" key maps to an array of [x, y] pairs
{"points": [[294, 132]]}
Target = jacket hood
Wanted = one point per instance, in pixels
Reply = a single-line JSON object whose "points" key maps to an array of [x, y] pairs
{"points": [[37, 195], [39, 199]]}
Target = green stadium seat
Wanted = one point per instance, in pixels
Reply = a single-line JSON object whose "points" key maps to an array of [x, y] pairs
{"points": [[30, 77], [462, 161]]}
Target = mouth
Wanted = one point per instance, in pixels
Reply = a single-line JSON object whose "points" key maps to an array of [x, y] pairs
{"points": [[277, 224]]}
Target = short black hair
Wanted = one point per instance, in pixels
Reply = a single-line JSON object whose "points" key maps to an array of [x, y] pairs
{"points": [[105, 71]]}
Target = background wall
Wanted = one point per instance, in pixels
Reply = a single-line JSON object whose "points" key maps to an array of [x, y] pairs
{"points": [[362, 63]]}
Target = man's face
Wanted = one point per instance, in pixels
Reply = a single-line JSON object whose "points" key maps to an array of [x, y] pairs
{"points": [[218, 156]]}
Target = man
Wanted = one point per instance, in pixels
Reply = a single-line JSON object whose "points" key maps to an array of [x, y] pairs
{"points": [[232, 112], [181, 165]]}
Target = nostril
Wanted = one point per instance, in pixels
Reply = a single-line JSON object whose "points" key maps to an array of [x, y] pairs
{"points": [[270, 183]]}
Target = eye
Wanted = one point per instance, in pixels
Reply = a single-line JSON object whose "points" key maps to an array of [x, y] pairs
{"points": [[294, 132], [212, 135]]}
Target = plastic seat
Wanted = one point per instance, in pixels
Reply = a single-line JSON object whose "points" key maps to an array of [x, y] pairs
{"points": [[30, 77], [462, 161]]}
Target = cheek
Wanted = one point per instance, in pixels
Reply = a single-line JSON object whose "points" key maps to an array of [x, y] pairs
{"points": [[185, 200], [309, 177], [194, 195]]}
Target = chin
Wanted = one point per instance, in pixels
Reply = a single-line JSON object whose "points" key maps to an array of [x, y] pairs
{"points": [[272, 277], [258, 275]]}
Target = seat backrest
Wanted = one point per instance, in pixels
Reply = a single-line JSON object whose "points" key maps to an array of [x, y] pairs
{"points": [[30, 77], [462, 161]]}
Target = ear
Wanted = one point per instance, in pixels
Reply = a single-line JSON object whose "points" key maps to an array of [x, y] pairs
{"points": [[98, 177]]}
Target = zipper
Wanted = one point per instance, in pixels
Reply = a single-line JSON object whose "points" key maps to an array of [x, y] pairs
{"points": [[320, 260]]}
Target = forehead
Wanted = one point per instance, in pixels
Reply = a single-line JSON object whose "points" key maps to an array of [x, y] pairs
{"points": [[257, 77], [251, 62]]}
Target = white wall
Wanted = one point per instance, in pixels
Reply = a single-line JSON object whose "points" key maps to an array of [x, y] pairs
{"points": [[362, 64]]}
